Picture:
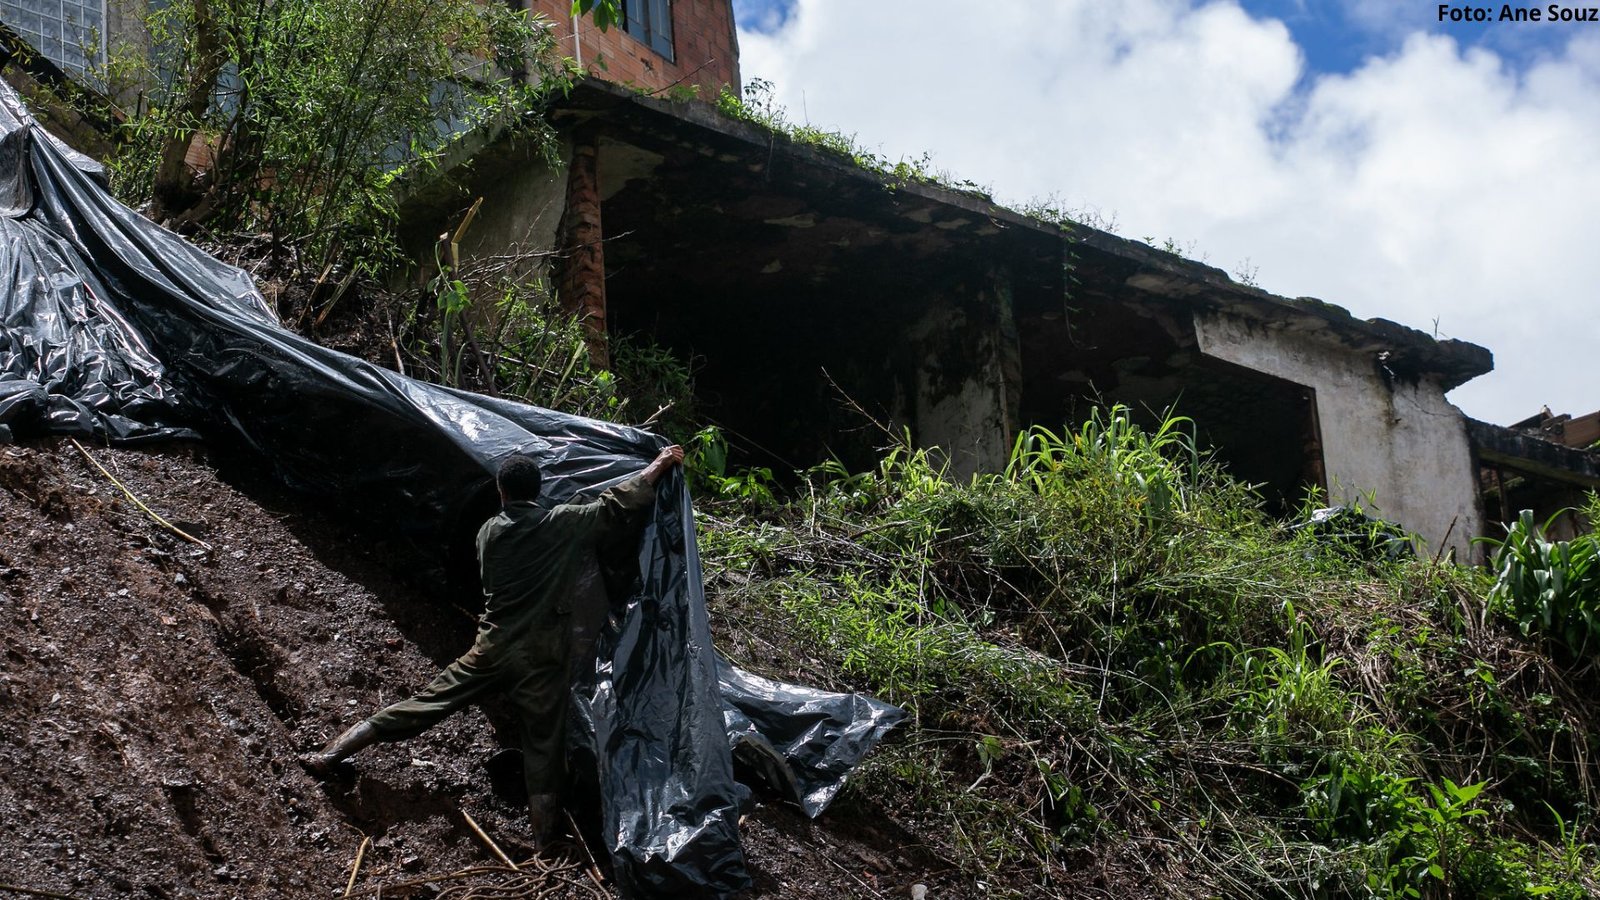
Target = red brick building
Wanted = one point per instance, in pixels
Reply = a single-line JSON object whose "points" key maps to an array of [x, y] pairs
{"points": [[660, 44]]}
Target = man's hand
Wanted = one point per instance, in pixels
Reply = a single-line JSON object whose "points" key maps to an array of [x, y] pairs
{"points": [[664, 460]]}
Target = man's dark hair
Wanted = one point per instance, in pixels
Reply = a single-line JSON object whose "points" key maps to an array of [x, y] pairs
{"points": [[519, 478]]}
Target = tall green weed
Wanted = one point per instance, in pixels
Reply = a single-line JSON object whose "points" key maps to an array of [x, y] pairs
{"points": [[1109, 644], [1550, 588]]}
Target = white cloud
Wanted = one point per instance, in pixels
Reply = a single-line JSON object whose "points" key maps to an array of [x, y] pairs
{"points": [[1431, 183]]}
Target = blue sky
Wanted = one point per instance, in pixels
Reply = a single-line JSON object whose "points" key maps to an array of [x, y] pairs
{"points": [[1338, 37], [1445, 175], [1335, 37]]}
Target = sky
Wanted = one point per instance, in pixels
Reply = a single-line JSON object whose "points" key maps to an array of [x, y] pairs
{"points": [[1442, 174]]}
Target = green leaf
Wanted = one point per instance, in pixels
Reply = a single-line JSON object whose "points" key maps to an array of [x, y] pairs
{"points": [[1466, 794]]}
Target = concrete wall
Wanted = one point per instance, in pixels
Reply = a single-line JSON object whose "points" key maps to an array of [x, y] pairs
{"points": [[521, 212], [514, 235], [1404, 444]]}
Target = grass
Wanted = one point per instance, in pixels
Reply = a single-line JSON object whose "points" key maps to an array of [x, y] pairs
{"points": [[758, 105], [1109, 652]]}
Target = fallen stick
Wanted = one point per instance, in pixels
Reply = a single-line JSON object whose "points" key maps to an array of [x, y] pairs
{"points": [[136, 501], [520, 879], [493, 847], [583, 844], [430, 879], [355, 868]]}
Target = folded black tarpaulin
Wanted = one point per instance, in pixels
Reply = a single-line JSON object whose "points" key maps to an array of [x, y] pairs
{"points": [[113, 327]]}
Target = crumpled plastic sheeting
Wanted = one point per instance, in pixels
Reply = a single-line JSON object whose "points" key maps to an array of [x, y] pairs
{"points": [[809, 732], [1348, 531], [68, 362], [113, 327]]}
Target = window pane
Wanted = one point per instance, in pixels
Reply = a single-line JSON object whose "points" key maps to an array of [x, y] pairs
{"points": [[634, 13], [661, 27], [66, 32]]}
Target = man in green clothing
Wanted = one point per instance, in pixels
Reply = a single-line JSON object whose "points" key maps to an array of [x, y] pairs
{"points": [[530, 558]]}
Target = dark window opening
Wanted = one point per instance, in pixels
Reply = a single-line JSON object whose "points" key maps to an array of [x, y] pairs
{"points": [[650, 22]]}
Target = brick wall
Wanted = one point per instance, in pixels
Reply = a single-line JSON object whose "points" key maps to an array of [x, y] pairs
{"points": [[704, 44]]}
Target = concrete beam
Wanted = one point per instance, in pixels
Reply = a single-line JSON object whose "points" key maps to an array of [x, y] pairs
{"points": [[1515, 450]]}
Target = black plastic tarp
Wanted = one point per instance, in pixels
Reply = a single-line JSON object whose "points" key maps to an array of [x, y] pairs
{"points": [[114, 328]]}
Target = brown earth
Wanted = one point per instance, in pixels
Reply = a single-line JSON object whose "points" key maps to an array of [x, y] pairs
{"points": [[154, 694]]}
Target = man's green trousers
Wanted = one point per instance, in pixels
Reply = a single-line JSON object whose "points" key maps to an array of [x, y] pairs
{"points": [[533, 679]]}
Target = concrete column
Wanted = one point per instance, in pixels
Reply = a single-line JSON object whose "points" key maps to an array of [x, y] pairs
{"points": [[966, 398], [582, 282]]}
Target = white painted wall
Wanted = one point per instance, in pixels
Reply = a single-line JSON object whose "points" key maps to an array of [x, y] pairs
{"points": [[967, 425], [1406, 447]]}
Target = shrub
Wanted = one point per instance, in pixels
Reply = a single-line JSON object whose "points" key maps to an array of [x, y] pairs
{"points": [[1550, 588], [310, 108]]}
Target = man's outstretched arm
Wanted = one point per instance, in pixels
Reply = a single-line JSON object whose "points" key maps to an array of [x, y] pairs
{"points": [[614, 507], [664, 461]]}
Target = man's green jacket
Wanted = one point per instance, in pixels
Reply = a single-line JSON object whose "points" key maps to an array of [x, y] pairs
{"points": [[530, 558]]}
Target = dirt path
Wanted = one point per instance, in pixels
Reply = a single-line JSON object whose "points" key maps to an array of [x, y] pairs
{"points": [[154, 693]]}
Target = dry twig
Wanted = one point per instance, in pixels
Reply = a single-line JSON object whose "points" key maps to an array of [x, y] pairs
{"points": [[540, 879], [594, 868], [136, 501], [355, 868], [493, 847]]}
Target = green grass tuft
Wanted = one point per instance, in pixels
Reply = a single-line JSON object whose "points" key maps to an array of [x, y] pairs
{"points": [[1108, 650]]}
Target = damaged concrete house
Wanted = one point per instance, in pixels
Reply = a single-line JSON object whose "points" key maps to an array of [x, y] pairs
{"points": [[796, 279]]}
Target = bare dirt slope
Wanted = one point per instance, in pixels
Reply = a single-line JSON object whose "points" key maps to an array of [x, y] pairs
{"points": [[154, 694]]}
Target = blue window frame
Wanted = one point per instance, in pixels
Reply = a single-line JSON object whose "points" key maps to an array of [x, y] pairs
{"points": [[650, 22]]}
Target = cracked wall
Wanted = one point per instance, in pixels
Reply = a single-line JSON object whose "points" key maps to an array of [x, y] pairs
{"points": [[1399, 442]]}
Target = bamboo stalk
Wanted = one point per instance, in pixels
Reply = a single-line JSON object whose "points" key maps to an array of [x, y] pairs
{"points": [[583, 844], [493, 847], [355, 868]]}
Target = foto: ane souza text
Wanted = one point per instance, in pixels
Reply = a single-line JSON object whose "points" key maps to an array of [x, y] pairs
{"points": [[1555, 12]]}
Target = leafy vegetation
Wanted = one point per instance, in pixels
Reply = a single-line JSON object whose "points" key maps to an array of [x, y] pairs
{"points": [[758, 105], [1550, 588], [308, 109], [1108, 649], [308, 112], [510, 337]]}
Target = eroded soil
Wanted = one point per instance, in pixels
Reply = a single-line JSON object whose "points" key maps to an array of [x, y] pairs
{"points": [[154, 693]]}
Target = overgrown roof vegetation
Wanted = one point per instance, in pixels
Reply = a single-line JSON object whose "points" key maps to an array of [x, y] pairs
{"points": [[1117, 662], [758, 105]]}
